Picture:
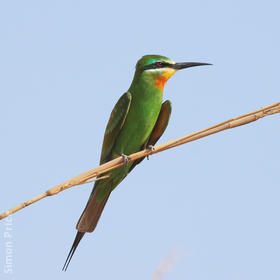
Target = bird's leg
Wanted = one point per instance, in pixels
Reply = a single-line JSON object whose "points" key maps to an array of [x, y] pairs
{"points": [[125, 158], [151, 148]]}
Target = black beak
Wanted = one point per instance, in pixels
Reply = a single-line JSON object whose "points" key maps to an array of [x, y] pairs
{"points": [[183, 65]]}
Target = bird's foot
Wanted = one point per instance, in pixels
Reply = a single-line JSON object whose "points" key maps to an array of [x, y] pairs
{"points": [[125, 158], [151, 148]]}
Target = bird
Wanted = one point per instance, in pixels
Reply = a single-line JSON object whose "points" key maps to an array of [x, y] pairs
{"points": [[137, 121]]}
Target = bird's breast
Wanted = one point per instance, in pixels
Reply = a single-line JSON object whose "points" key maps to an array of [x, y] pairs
{"points": [[139, 123]]}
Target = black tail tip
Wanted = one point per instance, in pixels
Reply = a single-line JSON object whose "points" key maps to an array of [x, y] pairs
{"points": [[76, 242]]}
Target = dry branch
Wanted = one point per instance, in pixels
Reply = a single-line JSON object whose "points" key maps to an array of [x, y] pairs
{"points": [[108, 166]]}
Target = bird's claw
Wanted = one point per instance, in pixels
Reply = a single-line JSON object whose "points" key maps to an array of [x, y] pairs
{"points": [[151, 148], [125, 159]]}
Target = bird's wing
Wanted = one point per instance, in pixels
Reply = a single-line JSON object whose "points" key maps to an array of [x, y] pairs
{"points": [[114, 126], [158, 130], [161, 124], [94, 208]]}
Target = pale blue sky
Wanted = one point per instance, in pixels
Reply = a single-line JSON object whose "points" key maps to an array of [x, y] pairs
{"points": [[63, 65]]}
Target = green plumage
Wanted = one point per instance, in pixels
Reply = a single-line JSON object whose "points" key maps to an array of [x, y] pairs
{"points": [[130, 125], [138, 120]]}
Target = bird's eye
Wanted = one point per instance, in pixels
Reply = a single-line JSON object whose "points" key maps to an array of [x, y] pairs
{"points": [[158, 64]]}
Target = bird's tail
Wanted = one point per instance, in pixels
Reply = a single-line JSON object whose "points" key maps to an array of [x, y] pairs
{"points": [[92, 212], [87, 222], [76, 242]]}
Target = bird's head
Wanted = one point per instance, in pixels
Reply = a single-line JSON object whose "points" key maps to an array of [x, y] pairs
{"points": [[160, 68]]}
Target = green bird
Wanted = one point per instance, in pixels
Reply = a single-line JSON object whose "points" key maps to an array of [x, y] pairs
{"points": [[137, 121]]}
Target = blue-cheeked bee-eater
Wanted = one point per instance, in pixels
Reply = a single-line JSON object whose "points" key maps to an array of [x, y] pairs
{"points": [[137, 121]]}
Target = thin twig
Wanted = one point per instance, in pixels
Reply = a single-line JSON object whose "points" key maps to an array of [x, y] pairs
{"points": [[115, 163], [172, 258]]}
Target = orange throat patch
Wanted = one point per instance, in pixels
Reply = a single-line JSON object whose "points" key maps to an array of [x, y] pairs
{"points": [[162, 79], [160, 82]]}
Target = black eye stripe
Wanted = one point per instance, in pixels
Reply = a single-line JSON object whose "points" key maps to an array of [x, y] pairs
{"points": [[156, 65], [161, 64]]}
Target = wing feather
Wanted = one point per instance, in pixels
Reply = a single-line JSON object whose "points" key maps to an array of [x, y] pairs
{"points": [[115, 124], [158, 130]]}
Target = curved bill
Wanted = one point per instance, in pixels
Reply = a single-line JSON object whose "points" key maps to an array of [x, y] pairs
{"points": [[183, 65]]}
